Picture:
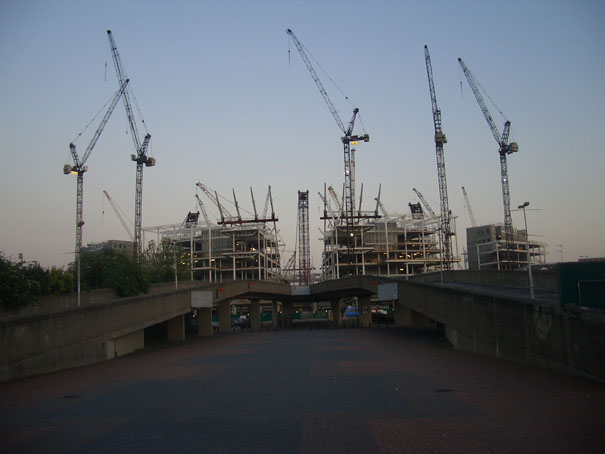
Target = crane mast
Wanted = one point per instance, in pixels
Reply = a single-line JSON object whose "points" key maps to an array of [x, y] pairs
{"points": [[347, 139], [140, 157], [79, 168], [440, 139], [505, 148]]}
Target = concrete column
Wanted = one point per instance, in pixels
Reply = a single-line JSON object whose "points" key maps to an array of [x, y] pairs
{"points": [[274, 312], [176, 329], [336, 315], [254, 315], [286, 318], [224, 316], [126, 344], [403, 315], [204, 321], [365, 311]]}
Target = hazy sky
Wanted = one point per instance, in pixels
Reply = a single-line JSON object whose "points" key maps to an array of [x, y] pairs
{"points": [[227, 105]]}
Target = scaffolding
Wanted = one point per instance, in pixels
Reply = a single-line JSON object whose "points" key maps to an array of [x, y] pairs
{"points": [[221, 253], [387, 245]]}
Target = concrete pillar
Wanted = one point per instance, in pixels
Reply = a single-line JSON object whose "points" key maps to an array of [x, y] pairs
{"points": [[274, 312], [204, 321], [254, 315], [336, 314], [176, 329], [286, 316], [403, 315], [224, 316], [365, 311], [126, 344]]}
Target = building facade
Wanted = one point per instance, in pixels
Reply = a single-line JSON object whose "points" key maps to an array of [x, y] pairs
{"points": [[487, 249]]}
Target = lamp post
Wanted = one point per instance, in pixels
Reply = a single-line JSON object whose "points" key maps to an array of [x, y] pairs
{"points": [[531, 281]]}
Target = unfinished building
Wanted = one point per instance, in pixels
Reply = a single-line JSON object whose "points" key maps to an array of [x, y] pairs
{"points": [[387, 245], [488, 249], [231, 249]]}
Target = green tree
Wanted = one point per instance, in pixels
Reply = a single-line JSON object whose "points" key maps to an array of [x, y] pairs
{"points": [[20, 283], [159, 260], [60, 281], [110, 269]]}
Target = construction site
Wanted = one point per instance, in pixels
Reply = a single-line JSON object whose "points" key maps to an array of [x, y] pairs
{"points": [[245, 244]]}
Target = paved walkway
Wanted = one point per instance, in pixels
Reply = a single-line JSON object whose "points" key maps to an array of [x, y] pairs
{"points": [[381, 391]]}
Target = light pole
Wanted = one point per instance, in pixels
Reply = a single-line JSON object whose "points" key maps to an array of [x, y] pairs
{"points": [[531, 281]]}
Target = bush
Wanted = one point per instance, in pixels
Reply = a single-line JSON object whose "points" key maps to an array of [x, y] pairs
{"points": [[21, 283], [109, 269]]}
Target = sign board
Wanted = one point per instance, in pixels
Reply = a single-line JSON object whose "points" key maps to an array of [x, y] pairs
{"points": [[201, 298], [301, 290], [388, 292]]}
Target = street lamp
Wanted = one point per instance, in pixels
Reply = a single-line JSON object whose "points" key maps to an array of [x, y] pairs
{"points": [[531, 281]]}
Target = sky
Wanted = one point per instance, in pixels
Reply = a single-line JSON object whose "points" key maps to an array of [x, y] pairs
{"points": [[229, 102]]}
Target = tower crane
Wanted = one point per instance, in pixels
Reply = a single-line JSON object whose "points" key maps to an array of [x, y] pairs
{"points": [[379, 204], [505, 148], [469, 209], [118, 214], [347, 139], [335, 198], [203, 210], [214, 199], [140, 157], [440, 139], [267, 202], [424, 202], [78, 168]]}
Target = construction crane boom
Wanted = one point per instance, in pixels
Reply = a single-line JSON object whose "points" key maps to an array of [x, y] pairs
{"points": [[347, 139], [424, 202], [116, 210], [468, 208], [214, 198], [140, 157], [440, 140], [203, 210], [505, 148], [79, 168], [381, 206], [315, 77], [266, 208], [335, 198]]}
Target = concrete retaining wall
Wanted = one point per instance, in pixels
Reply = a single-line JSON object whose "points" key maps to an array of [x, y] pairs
{"points": [[54, 303], [41, 343], [519, 331], [545, 280]]}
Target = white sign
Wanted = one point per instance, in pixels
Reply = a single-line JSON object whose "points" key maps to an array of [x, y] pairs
{"points": [[201, 298], [388, 292]]}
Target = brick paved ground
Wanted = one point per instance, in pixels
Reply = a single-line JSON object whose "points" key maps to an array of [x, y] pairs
{"points": [[381, 390]]}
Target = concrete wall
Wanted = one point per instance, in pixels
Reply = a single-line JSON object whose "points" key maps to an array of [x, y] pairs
{"points": [[545, 280], [54, 303], [519, 331], [41, 343]]}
